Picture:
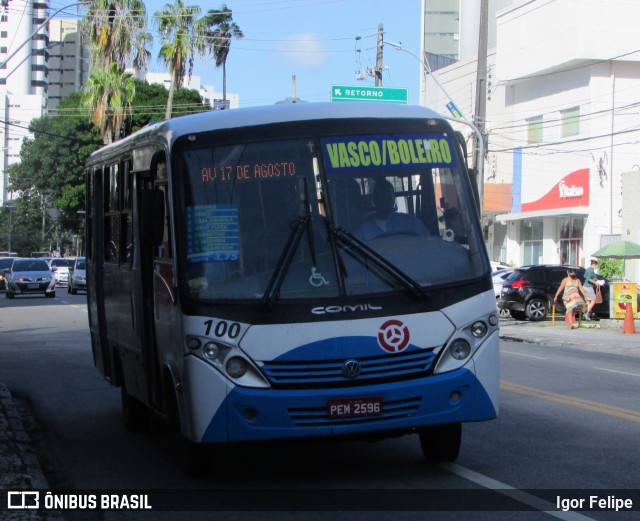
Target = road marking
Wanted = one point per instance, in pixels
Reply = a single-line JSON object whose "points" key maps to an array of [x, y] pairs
{"points": [[600, 408], [526, 356], [617, 372], [512, 492]]}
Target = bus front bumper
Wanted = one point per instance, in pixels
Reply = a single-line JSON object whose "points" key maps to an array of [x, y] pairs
{"points": [[245, 414]]}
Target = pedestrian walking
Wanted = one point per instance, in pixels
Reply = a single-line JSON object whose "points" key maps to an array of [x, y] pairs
{"points": [[592, 287], [572, 295]]}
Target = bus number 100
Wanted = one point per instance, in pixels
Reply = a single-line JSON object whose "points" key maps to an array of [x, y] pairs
{"points": [[222, 329]]}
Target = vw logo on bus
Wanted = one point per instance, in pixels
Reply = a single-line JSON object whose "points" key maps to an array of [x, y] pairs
{"points": [[351, 368]]}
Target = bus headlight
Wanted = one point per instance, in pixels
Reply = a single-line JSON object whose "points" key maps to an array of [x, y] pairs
{"points": [[228, 360], [210, 350], [460, 349], [479, 329], [236, 367]]}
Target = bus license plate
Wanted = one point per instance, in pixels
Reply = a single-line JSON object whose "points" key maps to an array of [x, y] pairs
{"points": [[354, 407]]}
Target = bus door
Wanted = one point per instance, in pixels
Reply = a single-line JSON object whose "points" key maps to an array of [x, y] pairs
{"points": [[156, 275], [102, 356]]}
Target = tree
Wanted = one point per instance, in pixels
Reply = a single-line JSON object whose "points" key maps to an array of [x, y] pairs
{"points": [[108, 94], [181, 41], [117, 32], [50, 175], [222, 29], [150, 102]]}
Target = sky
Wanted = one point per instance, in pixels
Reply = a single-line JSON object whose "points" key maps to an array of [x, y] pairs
{"points": [[315, 40]]}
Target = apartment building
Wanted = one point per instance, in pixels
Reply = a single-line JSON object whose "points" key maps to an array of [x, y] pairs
{"points": [[562, 88]]}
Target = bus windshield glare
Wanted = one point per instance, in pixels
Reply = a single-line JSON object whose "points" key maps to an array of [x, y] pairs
{"points": [[317, 213]]}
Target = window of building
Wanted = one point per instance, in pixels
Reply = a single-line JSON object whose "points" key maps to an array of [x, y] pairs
{"points": [[4, 34], [571, 231], [534, 129], [531, 240], [570, 121]]}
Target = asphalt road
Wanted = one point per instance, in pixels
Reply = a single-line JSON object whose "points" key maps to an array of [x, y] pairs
{"points": [[569, 420]]}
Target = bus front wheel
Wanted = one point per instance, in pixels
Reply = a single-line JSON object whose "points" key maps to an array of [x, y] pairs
{"points": [[441, 443]]}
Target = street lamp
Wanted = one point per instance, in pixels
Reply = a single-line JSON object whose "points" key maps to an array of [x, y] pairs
{"points": [[479, 139]]}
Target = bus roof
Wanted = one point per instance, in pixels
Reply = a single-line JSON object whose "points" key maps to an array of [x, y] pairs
{"points": [[168, 131]]}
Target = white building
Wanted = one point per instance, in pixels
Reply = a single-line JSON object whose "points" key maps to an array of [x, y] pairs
{"points": [[208, 93], [23, 76], [562, 126]]}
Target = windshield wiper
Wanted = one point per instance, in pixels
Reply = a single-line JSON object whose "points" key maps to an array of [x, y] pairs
{"points": [[379, 261], [298, 228]]}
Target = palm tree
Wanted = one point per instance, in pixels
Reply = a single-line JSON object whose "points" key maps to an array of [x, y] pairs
{"points": [[108, 94], [181, 41], [117, 31], [222, 29]]}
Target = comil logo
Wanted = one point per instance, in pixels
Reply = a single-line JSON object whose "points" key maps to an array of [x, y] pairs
{"points": [[28, 500], [393, 336]]}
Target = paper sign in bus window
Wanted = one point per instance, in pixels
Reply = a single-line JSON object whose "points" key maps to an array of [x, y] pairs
{"points": [[212, 233]]}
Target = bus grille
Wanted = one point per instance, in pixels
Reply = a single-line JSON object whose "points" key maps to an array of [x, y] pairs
{"points": [[317, 416], [328, 373]]}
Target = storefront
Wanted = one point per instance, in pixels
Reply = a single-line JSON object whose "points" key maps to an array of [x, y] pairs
{"points": [[549, 228]]}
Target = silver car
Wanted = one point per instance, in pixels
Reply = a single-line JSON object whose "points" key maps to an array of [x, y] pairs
{"points": [[28, 276], [78, 276]]}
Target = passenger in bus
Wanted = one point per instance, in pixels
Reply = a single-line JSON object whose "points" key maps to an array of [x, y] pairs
{"points": [[386, 219]]}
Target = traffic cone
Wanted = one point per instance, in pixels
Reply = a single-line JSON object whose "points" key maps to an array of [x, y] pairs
{"points": [[629, 327]]}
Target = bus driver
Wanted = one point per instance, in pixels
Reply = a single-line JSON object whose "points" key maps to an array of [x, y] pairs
{"points": [[386, 220]]}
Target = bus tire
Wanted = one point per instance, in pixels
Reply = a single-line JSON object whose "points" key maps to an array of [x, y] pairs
{"points": [[192, 457], [135, 415], [441, 443]]}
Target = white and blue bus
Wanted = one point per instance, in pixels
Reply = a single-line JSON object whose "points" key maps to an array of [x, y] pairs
{"points": [[293, 271]]}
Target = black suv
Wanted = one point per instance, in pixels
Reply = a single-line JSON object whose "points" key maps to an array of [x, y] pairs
{"points": [[529, 291]]}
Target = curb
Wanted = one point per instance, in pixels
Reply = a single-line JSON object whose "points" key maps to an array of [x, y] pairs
{"points": [[16, 437]]}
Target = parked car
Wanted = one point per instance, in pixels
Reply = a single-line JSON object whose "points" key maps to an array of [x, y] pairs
{"points": [[498, 279], [78, 276], [60, 268], [28, 276], [5, 264], [530, 290], [497, 266]]}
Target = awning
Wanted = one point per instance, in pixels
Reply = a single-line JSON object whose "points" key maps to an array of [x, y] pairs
{"points": [[575, 211]]}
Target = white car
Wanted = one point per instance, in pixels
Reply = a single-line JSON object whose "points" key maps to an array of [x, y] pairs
{"points": [[498, 266], [60, 268], [498, 278]]}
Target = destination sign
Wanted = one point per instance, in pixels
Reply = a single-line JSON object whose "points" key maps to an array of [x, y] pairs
{"points": [[350, 153], [248, 171]]}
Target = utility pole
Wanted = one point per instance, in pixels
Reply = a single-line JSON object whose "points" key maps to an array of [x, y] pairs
{"points": [[481, 95], [378, 72]]}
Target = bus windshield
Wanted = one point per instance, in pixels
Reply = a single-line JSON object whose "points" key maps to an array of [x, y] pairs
{"points": [[326, 216]]}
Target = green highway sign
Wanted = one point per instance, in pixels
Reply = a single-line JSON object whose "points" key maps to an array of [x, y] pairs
{"points": [[346, 93]]}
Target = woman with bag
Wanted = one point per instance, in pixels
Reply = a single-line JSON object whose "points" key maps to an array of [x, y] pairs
{"points": [[572, 295], [592, 288]]}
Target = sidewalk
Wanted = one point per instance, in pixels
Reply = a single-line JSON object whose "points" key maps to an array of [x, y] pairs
{"points": [[21, 469], [603, 336]]}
